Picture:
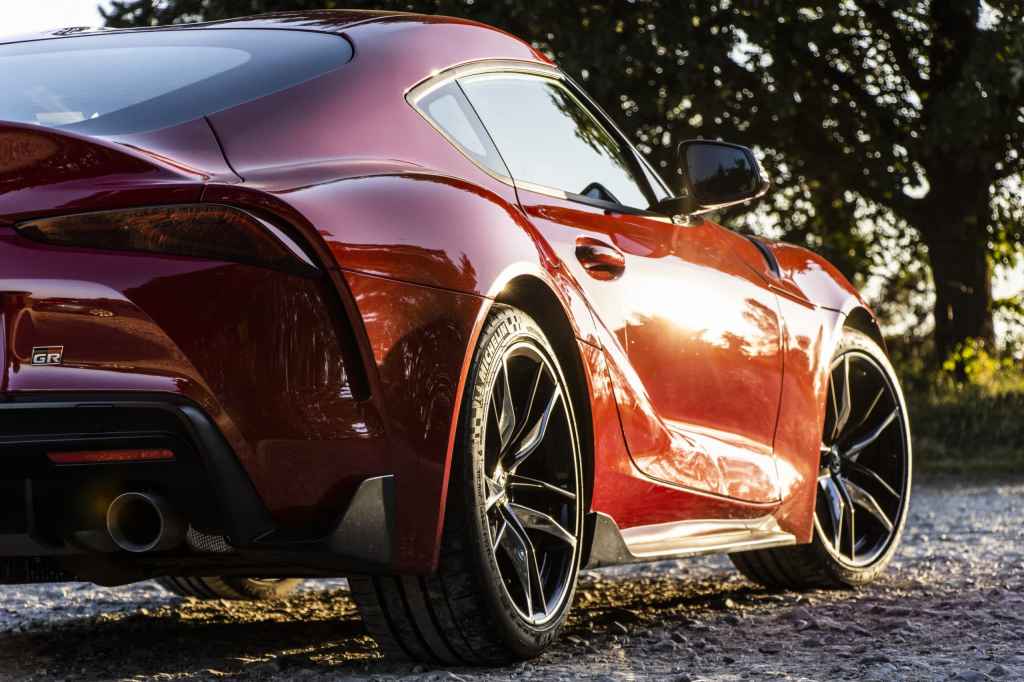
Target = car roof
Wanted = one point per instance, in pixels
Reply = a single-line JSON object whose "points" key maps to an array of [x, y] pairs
{"points": [[324, 21]]}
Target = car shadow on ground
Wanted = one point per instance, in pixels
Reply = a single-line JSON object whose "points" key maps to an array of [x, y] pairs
{"points": [[950, 607], [313, 632]]}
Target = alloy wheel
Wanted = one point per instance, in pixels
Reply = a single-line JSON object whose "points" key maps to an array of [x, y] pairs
{"points": [[532, 482], [864, 475]]}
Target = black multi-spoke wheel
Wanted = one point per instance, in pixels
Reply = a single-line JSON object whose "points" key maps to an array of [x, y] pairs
{"points": [[863, 487], [532, 487], [864, 476], [510, 551]]}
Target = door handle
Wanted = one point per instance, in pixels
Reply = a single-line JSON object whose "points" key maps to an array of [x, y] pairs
{"points": [[601, 260]]}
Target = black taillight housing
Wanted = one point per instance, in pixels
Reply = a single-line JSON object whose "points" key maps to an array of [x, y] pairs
{"points": [[209, 231]]}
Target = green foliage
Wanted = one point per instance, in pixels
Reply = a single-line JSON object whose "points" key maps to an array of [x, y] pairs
{"points": [[901, 119], [968, 416], [970, 364], [969, 432]]}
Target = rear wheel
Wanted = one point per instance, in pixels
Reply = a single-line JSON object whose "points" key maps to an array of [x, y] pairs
{"points": [[511, 545], [253, 589], [863, 486]]}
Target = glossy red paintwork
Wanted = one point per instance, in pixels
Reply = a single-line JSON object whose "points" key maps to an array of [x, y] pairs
{"points": [[704, 371], [695, 339]]}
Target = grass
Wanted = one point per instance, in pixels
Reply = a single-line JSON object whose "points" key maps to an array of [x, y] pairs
{"points": [[968, 433], [968, 417]]}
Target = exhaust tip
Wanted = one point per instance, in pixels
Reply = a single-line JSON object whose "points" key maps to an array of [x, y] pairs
{"points": [[144, 522]]}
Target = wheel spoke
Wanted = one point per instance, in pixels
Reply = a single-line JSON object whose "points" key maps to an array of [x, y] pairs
{"points": [[834, 401], [836, 508], [533, 438], [854, 450], [871, 408], [865, 501], [495, 493], [846, 403], [525, 483], [534, 386], [499, 535], [507, 414], [849, 523], [538, 520], [517, 546], [524, 558], [855, 466]]}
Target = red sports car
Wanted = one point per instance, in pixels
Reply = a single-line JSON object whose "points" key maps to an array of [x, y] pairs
{"points": [[390, 297]]}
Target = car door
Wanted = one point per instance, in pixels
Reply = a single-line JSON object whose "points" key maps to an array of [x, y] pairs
{"points": [[694, 332]]}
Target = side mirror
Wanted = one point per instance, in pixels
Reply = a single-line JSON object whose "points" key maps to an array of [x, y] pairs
{"points": [[715, 175]]}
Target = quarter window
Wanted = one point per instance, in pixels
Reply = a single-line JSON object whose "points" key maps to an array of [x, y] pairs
{"points": [[547, 137], [448, 109]]}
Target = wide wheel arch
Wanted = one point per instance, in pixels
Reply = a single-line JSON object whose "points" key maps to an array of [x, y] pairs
{"points": [[860, 319], [536, 298]]}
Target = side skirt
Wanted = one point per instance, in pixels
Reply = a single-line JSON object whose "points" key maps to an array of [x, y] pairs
{"points": [[611, 546]]}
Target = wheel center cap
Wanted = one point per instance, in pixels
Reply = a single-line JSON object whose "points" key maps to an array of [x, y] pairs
{"points": [[834, 461]]}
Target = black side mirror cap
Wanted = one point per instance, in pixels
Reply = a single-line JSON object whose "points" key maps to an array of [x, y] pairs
{"points": [[715, 175]]}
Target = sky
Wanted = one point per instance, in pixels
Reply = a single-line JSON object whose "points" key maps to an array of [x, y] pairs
{"points": [[17, 17]]}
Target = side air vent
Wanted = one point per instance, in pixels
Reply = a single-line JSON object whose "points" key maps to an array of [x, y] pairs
{"points": [[769, 257]]}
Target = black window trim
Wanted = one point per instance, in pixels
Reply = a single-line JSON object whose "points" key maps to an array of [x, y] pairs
{"points": [[419, 91]]}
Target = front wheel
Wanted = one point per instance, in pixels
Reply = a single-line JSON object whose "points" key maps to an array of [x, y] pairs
{"points": [[511, 545], [863, 486]]}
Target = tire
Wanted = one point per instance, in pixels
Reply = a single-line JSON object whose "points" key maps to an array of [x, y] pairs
{"points": [[244, 589], [478, 608], [850, 548]]}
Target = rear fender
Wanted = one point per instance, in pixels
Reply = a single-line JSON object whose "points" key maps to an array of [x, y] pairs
{"points": [[417, 260], [385, 220]]}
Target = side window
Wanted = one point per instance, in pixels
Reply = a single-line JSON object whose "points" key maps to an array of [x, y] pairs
{"points": [[450, 112], [546, 137]]}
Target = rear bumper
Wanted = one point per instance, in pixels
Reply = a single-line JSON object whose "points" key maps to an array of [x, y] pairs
{"points": [[52, 516], [317, 384]]}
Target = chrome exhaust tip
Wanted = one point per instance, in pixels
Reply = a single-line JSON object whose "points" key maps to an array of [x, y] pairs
{"points": [[144, 522]]}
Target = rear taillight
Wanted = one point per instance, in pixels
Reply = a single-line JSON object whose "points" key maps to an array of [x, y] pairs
{"points": [[202, 231], [108, 456]]}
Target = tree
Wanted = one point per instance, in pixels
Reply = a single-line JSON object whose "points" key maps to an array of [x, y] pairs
{"points": [[906, 114]]}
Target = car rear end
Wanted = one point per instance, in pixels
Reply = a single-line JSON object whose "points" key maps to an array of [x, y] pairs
{"points": [[160, 355]]}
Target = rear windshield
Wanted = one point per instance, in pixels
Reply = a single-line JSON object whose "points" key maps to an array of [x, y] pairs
{"points": [[115, 84]]}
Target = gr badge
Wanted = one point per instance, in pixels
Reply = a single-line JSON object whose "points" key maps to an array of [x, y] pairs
{"points": [[47, 355]]}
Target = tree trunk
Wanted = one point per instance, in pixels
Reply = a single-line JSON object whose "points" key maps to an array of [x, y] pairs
{"points": [[958, 254]]}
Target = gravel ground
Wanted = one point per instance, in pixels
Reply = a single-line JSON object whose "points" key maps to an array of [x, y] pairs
{"points": [[950, 607]]}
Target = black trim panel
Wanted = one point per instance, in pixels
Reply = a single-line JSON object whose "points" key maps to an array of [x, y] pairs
{"points": [[362, 540], [245, 517]]}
